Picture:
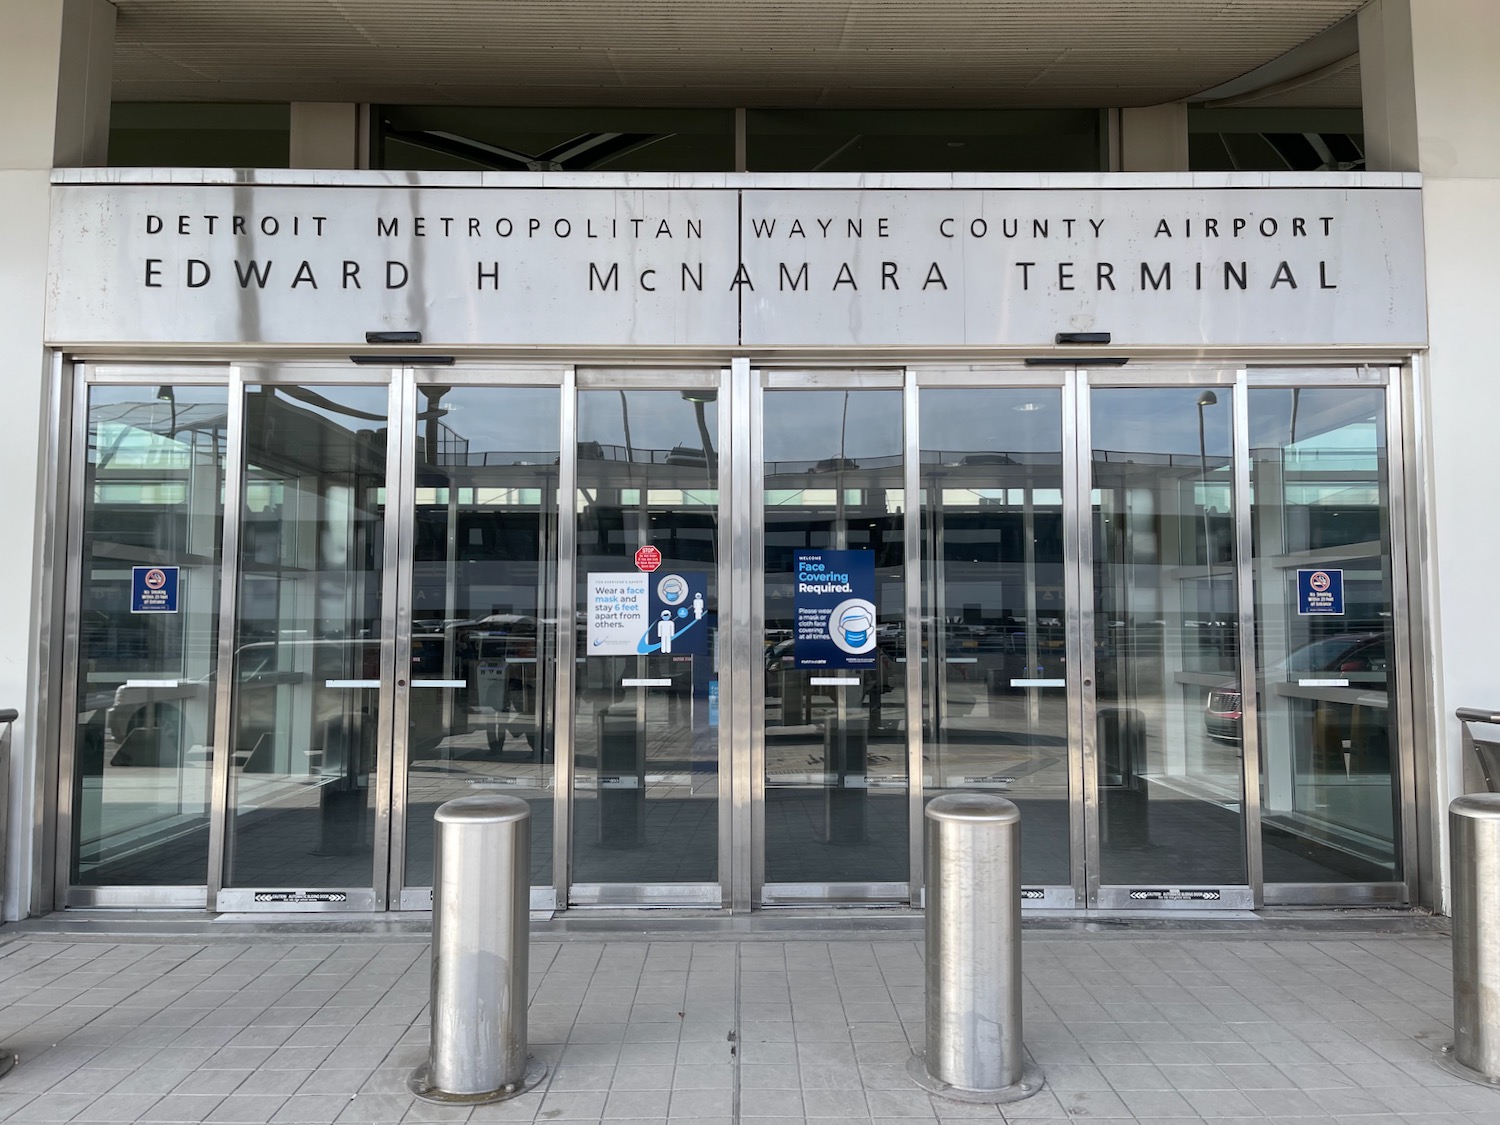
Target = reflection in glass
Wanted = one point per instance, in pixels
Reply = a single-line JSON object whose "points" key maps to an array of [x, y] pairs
{"points": [[835, 738], [484, 614], [1328, 794], [152, 499], [1165, 636], [994, 688], [303, 773], [646, 727]]}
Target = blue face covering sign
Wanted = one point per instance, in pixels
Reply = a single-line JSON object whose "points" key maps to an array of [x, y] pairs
{"points": [[835, 609]]}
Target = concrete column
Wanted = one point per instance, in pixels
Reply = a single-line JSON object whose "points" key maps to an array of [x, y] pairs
{"points": [[1154, 138], [54, 83], [1430, 85], [327, 135]]}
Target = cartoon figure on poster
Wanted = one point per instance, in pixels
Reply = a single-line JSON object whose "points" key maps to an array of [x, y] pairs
{"points": [[678, 612]]}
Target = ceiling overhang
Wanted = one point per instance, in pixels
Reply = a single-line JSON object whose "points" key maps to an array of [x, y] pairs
{"points": [[834, 53]]}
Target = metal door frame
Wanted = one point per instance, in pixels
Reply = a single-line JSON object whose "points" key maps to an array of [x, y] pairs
{"points": [[1394, 379], [847, 377], [404, 896], [376, 895], [1064, 381], [741, 884], [1099, 895], [75, 380], [615, 377]]}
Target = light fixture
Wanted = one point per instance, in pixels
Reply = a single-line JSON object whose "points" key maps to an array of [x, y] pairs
{"points": [[1083, 337], [393, 337]]}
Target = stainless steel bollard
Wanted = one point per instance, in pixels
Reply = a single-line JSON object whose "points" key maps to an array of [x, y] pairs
{"points": [[974, 1048], [481, 915], [1474, 849]]}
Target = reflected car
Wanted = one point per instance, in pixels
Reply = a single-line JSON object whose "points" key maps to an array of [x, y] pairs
{"points": [[1348, 654]]}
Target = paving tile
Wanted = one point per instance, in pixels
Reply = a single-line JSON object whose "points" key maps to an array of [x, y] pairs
{"points": [[314, 1109], [251, 1109], [573, 1105]]}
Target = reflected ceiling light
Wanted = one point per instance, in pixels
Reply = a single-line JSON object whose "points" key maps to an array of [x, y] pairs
{"points": [[1028, 407]]}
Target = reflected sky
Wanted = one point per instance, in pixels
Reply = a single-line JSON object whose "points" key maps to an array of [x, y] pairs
{"points": [[656, 419], [818, 425], [1008, 420], [500, 419], [1160, 420]]}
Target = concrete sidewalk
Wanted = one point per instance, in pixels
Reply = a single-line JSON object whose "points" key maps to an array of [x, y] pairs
{"points": [[1137, 1023]]}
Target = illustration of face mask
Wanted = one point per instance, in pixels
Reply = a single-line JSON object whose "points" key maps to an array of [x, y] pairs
{"points": [[856, 625]]}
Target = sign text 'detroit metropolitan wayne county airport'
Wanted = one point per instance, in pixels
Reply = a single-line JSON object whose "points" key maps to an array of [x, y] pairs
{"points": [[175, 263]]}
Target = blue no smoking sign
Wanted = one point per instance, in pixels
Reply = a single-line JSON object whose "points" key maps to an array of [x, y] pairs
{"points": [[153, 589], [1320, 592]]}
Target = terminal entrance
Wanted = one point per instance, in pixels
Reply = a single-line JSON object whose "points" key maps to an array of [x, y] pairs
{"points": [[727, 630]]}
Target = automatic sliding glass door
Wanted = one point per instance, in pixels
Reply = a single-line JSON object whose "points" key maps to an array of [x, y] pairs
{"points": [[1100, 562], [136, 810], [646, 815], [1167, 791], [837, 823], [995, 644], [479, 645], [310, 731], [1327, 648]]}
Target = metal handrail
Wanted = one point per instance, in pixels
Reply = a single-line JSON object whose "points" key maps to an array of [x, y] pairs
{"points": [[1465, 715], [1485, 752]]}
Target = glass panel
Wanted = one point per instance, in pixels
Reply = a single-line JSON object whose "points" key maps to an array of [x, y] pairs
{"points": [[1324, 646], [834, 511], [148, 635], [646, 728], [200, 135], [923, 140], [1165, 636], [484, 613], [304, 772], [994, 686], [555, 138]]}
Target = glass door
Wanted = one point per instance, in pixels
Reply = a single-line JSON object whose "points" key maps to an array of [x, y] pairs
{"points": [[136, 803], [1165, 793], [314, 601], [835, 812], [1327, 582], [477, 618], [646, 823], [998, 647], [310, 731]]}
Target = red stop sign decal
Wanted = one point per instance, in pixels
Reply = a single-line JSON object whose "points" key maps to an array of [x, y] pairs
{"points": [[647, 559]]}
